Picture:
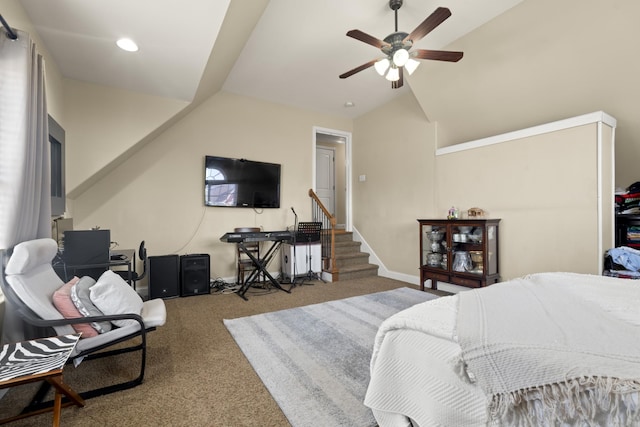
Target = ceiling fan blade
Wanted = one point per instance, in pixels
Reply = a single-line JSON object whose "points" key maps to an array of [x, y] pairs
{"points": [[398, 83], [438, 55], [364, 37], [358, 69], [432, 21]]}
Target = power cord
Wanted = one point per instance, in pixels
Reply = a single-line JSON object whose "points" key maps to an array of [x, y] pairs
{"points": [[219, 286]]}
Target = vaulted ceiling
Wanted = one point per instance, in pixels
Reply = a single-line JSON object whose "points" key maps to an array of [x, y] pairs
{"points": [[284, 51]]}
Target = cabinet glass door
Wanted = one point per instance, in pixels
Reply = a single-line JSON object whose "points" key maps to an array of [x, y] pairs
{"points": [[467, 249], [434, 246], [492, 249]]}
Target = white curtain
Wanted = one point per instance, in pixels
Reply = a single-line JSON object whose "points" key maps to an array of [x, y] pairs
{"points": [[25, 177]]}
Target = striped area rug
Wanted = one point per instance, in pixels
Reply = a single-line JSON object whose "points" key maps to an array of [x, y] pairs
{"points": [[314, 360]]}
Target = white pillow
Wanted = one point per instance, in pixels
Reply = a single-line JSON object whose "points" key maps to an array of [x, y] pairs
{"points": [[81, 299], [112, 295]]}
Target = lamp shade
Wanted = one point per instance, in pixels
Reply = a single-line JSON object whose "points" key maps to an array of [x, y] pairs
{"points": [[381, 66], [400, 57], [411, 65], [127, 44], [393, 74]]}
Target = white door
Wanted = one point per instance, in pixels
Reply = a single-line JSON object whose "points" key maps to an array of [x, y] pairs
{"points": [[326, 177]]}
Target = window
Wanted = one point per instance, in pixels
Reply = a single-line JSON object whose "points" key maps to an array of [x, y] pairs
{"points": [[219, 192], [58, 194]]}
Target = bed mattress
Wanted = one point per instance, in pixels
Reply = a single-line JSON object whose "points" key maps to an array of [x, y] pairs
{"points": [[418, 377]]}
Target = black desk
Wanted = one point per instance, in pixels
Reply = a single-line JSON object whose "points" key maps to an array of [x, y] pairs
{"points": [[66, 271], [128, 260]]}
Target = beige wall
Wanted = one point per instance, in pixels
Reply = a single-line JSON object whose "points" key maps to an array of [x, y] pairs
{"points": [[521, 69], [545, 190], [103, 123], [157, 194], [394, 147], [541, 61]]}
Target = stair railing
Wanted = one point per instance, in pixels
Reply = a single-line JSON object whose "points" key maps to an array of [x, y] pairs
{"points": [[320, 214]]}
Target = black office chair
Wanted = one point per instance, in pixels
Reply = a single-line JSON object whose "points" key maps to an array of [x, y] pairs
{"points": [[142, 253]]}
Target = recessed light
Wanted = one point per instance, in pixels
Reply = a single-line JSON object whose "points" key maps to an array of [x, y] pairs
{"points": [[349, 104], [128, 45]]}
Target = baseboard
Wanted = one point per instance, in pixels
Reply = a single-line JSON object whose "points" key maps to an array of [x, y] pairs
{"points": [[383, 271], [373, 258]]}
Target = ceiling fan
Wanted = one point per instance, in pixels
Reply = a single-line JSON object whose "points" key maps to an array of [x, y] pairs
{"points": [[397, 47]]}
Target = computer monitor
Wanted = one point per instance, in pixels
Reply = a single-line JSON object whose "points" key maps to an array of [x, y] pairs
{"points": [[82, 247]]}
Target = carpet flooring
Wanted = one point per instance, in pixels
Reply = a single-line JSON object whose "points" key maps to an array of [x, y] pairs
{"points": [[314, 360], [196, 373]]}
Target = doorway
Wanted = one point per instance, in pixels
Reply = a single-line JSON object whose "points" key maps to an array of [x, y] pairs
{"points": [[332, 172], [326, 177]]}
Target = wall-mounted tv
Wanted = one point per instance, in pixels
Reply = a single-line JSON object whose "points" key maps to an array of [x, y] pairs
{"points": [[241, 183]]}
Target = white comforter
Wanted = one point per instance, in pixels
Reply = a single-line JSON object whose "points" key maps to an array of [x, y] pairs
{"points": [[416, 370]]}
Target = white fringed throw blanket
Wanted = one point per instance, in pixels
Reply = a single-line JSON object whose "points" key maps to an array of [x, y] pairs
{"points": [[554, 348]]}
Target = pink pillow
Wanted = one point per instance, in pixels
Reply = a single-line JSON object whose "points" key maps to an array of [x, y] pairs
{"points": [[64, 304]]}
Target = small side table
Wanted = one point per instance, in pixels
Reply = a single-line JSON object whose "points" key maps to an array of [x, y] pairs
{"points": [[39, 360]]}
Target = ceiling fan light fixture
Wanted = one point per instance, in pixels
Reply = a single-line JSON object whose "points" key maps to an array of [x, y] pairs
{"points": [[411, 65], [127, 44], [393, 75], [397, 45], [400, 57], [382, 66]]}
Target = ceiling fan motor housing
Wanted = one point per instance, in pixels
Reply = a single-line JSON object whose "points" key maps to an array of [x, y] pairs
{"points": [[395, 4], [395, 41]]}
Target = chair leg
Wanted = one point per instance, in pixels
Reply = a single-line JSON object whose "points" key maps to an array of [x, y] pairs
{"points": [[37, 403]]}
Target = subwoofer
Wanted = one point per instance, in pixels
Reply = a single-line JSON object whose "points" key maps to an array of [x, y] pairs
{"points": [[164, 276], [194, 274]]}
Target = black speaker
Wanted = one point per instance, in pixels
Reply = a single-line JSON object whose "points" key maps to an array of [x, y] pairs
{"points": [[164, 276], [194, 274]]}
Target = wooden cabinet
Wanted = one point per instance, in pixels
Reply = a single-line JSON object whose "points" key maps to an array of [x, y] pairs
{"points": [[462, 252]]}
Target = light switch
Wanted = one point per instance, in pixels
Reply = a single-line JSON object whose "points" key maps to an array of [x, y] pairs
{"points": [[362, 178]]}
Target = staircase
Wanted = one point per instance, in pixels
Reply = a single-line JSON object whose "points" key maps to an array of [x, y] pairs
{"points": [[351, 263], [341, 255]]}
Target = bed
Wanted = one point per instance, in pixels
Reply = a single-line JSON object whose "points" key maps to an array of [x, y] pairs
{"points": [[546, 349]]}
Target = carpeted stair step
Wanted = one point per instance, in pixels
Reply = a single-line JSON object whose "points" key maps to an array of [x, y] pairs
{"points": [[351, 259], [351, 262], [344, 236], [358, 271], [347, 247]]}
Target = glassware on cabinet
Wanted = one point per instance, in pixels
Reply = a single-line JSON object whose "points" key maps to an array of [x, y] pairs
{"points": [[461, 261], [436, 249]]}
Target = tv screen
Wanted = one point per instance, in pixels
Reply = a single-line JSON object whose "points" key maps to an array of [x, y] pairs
{"points": [[241, 183]]}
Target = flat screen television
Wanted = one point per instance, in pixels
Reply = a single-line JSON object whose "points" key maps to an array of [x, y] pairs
{"points": [[241, 183]]}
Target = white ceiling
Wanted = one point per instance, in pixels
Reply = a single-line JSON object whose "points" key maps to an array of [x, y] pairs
{"points": [[293, 56]]}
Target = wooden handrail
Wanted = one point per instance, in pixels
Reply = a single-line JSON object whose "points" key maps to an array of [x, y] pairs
{"points": [[321, 214], [326, 213]]}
